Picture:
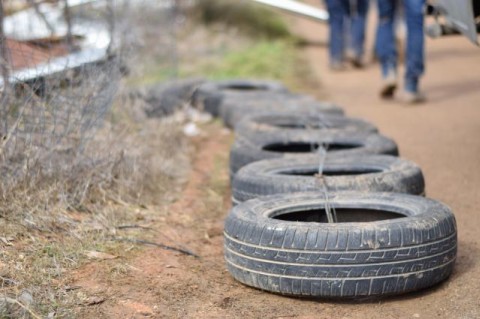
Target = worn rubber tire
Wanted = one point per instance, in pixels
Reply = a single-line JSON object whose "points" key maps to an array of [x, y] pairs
{"points": [[341, 260], [209, 95], [375, 173], [247, 150], [167, 97], [233, 110], [273, 122]]}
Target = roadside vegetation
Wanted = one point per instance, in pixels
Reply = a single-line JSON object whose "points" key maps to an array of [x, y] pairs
{"points": [[234, 39], [251, 20]]}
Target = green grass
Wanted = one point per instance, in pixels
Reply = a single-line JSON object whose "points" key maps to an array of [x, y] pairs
{"points": [[268, 49], [152, 75], [249, 18], [245, 41], [264, 59]]}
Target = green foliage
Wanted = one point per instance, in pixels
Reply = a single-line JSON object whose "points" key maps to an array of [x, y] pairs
{"points": [[252, 19], [264, 59], [152, 75]]}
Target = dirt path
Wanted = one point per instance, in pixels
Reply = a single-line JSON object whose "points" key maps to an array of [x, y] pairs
{"points": [[441, 136]]}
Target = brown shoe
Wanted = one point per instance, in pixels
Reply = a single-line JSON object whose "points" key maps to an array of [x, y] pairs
{"points": [[357, 62], [354, 59]]}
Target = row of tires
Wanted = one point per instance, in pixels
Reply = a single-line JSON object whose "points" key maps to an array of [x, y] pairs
{"points": [[297, 162]]}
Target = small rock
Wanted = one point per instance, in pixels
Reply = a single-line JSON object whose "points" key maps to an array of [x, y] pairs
{"points": [[225, 303], [198, 116], [214, 231], [95, 300], [26, 298]]}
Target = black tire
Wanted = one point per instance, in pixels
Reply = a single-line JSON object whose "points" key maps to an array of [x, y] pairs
{"points": [[273, 122], [209, 96], [361, 173], [296, 144], [376, 257], [166, 98], [233, 110]]}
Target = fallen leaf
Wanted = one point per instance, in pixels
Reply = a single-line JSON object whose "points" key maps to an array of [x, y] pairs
{"points": [[6, 241], [99, 255]]}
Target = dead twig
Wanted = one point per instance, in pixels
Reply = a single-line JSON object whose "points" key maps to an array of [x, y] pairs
{"points": [[68, 19], [4, 53], [4, 139], [71, 288], [36, 7], [133, 226], [151, 243], [15, 301], [7, 281]]}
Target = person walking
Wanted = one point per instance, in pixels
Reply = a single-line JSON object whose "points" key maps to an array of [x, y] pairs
{"points": [[343, 13], [386, 49]]}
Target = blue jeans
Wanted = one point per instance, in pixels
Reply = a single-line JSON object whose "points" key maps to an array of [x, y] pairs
{"points": [[341, 11], [385, 44]]}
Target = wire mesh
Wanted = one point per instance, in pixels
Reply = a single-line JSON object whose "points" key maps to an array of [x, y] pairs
{"points": [[62, 62]]}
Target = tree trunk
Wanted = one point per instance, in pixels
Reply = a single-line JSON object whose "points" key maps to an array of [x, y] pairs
{"points": [[4, 60]]}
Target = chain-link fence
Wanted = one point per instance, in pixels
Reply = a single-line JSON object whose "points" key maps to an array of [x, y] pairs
{"points": [[61, 64]]}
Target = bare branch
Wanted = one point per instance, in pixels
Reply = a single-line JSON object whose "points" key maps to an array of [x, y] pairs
{"points": [[111, 25], [36, 7], [68, 19], [151, 243]]}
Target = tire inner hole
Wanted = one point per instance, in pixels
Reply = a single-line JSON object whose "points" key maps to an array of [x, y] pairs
{"points": [[344, 215], [330, 172], [297, 126], [302, 147], [245, 87]]}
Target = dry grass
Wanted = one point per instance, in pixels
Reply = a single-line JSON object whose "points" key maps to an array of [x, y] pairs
{"points": [[73, 199], [70, 200], [48, 225]]}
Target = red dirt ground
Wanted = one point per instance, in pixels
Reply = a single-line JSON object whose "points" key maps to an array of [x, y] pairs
{"points": [[441, 135]]}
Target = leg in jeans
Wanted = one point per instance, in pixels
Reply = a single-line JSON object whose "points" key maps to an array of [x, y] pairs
{"points": [[358, 25], [385, 43], [415, 43], [385, 47], [337, 10]]}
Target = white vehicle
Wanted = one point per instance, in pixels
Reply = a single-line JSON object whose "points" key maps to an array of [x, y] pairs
{"points": [[453, 17]]}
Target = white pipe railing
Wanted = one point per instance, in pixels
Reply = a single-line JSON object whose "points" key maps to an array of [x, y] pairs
{"points": [[297, 8]]}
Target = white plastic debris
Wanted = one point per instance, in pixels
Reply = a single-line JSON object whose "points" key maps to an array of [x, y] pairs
{"points": [[191, 129]]}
